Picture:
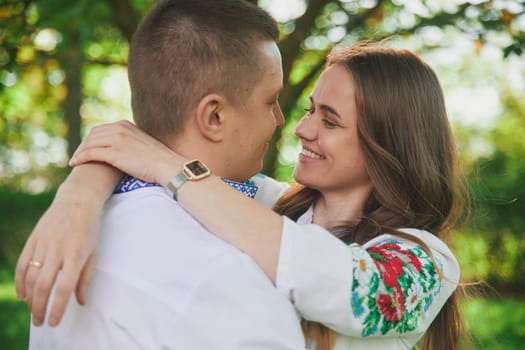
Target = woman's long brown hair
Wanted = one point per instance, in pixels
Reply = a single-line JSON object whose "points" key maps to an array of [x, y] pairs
{"points": [[411, 159]]}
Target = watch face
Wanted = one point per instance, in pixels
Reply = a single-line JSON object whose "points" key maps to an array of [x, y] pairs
{"points": [[197, 169]]}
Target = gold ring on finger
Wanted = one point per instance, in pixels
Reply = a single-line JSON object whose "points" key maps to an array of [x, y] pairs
{"points": [[34, 263]]}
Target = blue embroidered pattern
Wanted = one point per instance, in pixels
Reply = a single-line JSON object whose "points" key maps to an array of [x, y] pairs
{"points": [[129, 183], [249, 189]]}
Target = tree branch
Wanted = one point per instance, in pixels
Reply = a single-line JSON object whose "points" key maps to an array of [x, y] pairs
{"points": [[106, 62], [439, 20], [303, 26], [290, 96], [359, 20]]}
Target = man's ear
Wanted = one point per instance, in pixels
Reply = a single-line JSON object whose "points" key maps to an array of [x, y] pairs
{"points": [[210, 117]]}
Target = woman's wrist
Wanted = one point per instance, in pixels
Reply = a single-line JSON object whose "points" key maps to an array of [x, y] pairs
{"points": [[165, 171], [71, 194], [82, 188]]}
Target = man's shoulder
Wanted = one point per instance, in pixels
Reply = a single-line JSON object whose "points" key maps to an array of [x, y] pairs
{"points": [[131, 193], [146, 208], [150, 218], [147, 236]]}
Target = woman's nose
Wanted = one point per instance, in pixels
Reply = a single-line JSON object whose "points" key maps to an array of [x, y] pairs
{"points": [[306, 129]]}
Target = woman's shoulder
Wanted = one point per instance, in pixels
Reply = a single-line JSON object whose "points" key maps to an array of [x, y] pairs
{"points": [[430, 239]]}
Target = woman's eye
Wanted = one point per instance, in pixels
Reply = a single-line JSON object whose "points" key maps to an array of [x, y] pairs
{"points": [[309, 110], [328, 123]]}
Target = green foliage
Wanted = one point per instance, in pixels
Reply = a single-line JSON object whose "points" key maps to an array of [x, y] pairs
{"points": [[499, 192], [14, 325], [19, 213], [43, 42], [41, 46], [14, 315], [496, 323], [472, 252]]}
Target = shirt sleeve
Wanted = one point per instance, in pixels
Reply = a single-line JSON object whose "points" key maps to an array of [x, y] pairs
{"points": [[390, 286], [269, 190]]}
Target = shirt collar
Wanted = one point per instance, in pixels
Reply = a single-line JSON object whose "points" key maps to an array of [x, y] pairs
{"points": [[248, 188], [129, 183], [307, 216]]}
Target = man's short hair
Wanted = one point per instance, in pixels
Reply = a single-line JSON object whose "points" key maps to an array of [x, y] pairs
{"points": [[186, 49]]}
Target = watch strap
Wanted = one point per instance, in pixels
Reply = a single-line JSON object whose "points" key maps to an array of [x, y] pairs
{"points": [[176, 182]]}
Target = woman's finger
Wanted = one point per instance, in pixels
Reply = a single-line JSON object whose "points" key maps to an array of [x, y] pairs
{"points": [[38, 260], [43, 286], [66, 283], [22, 266], [85, 278]]}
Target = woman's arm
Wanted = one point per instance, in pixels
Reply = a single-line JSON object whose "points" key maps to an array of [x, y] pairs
{"points": [[388, 287], [65, 239], [242, 222]]}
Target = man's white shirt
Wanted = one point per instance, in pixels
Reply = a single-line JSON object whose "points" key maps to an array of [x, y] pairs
{"points": [[162, 281]]}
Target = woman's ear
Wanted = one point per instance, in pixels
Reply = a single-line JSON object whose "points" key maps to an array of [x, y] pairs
{"points": [[210, 117]]}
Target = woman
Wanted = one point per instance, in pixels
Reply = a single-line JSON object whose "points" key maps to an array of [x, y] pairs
{"points": [[378, 170]]}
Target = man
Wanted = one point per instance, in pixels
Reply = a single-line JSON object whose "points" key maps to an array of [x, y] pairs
{"points": [[205, 77]]}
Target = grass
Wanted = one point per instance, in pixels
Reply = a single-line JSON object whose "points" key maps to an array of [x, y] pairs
{"points": [[14, 315], [495, 323]]}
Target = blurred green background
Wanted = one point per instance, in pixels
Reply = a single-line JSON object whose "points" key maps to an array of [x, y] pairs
{"points": [[63, 70]]}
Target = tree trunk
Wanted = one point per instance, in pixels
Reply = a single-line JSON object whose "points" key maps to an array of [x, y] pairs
{"points": [[290, 49], [73, 60], [126, 17], [291, 45]]}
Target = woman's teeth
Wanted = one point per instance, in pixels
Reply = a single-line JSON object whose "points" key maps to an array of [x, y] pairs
{"points": [[311, 154]]}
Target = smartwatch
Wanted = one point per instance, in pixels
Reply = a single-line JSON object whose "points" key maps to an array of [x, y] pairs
{"points": [[193, 170]]}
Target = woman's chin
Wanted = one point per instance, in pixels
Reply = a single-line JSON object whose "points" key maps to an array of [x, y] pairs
{"points": [[304, 180]]}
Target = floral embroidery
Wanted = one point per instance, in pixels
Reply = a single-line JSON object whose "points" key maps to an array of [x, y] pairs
{"points": [[357, 304], [393, 285], [363, 271], [414, 297], [392, 307]]}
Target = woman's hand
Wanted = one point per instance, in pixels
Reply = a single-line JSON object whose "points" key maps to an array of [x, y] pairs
{"points": [[64, 239], [66, 236], [124, 146]]}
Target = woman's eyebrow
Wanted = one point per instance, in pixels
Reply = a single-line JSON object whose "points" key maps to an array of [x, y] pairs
{"points": [[326, 108]]}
